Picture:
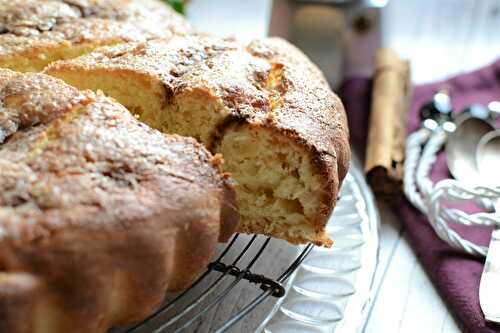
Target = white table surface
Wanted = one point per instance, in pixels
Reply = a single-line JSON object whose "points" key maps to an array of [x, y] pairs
{"points": [[441, 38]]}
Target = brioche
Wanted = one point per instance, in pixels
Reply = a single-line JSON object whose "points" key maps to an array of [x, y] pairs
{"points": [[99, 213], [264, 106], [34, 33]]}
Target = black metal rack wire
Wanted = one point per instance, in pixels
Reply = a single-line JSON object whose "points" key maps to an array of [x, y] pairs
{"points": [[192, 311]]}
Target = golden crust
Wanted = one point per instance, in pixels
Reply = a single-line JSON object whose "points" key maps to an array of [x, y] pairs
{"points": [[35, 32], [268, 83], [99, 214]]}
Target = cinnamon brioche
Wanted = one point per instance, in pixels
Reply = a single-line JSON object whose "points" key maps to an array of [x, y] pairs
{"points": [[34, 33], [99, 213], [264, 106]]}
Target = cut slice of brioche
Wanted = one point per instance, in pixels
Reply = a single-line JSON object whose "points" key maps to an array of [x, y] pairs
{"points": [[279, 186], [265, 107], [37, 32]]}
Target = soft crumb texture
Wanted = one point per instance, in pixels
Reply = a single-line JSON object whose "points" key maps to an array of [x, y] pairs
{"points": [[35, 33], [267, 94], [99, 213], [278, 187]]}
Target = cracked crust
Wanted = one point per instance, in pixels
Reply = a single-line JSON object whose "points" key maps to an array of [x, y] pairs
{"points": [[99, 214], [34, 33], [268, 84]]}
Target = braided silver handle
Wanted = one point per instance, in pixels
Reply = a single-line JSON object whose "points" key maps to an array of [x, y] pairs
{"points": [[430, 198], [412, 159]]}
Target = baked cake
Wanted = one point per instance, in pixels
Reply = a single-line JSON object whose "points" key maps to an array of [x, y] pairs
{"points": [[99, 213], [264, 106], [34, 33]]}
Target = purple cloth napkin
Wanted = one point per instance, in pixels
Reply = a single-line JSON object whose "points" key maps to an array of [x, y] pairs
{"points": [[455, 275]]}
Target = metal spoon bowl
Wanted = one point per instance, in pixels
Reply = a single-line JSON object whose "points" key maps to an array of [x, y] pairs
{"points": [[462, 145]]}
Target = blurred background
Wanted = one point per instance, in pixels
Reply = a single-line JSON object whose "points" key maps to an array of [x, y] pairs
{"points": [[440, 38]]}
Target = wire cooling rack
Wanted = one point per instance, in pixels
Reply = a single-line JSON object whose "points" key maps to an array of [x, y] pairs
{"points": [[211, 295], [252, 271]]}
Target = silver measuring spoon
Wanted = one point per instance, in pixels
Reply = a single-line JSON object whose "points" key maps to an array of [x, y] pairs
{"points": [[473, 154]]}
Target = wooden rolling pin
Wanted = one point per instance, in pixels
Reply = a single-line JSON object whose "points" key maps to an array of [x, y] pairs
{"points": [[387, 128]]}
